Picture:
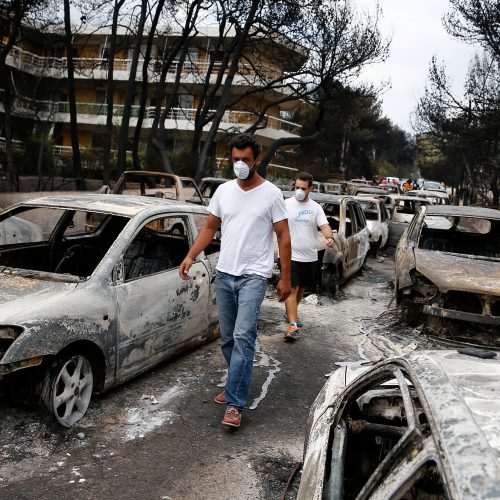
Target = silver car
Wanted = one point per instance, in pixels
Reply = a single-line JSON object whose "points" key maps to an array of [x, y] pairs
{"points": [[351, 240], [423, 425], [376, 220], [97, 298]]}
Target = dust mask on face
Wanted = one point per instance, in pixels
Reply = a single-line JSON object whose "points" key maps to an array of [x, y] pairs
{"points": [[300, 195], [241, 169]]}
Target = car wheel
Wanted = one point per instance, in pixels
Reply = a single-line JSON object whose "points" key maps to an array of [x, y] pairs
{"points": [[330, 280], [375, 247], [412, 313], [177, 229], [363, 266], [68, 389]]}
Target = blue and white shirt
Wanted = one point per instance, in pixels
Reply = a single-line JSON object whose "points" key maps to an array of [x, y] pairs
{"points": [[304, 218]]}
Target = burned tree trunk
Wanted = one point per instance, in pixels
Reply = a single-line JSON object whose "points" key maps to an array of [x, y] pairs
{"points": [[130, 92], [75, 146], [110, 86]]}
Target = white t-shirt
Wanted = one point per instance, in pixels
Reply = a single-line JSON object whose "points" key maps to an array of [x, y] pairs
{"points": [[247, 227], [304, 218]]}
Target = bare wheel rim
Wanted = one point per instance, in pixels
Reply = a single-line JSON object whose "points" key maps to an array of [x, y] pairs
{"points": [[72, 390]]}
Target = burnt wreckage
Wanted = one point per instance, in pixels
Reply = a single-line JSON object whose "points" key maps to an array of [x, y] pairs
{"points": [[448, 272], [422, 425], [94, 297]]}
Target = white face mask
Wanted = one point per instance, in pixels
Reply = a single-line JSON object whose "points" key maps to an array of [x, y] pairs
{"points": [[241, 169], [300, 195]]}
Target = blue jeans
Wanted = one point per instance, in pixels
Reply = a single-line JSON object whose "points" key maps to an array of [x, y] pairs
{"points": [[238, 305]]}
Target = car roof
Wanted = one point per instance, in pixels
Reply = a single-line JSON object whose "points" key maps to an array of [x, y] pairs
{"points": [[321, 197], [461, 211], [147, 173], [118, 204], [215, 179], [463, 394], [409, 198], [363, 199]]}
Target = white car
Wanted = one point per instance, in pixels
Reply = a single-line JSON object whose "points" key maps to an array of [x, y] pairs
{"points": [[376, 220]]}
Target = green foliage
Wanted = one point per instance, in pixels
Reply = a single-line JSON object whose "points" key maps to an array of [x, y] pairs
{"points": [[465, 129], [384, 168], [182, 162], [355, 138]]}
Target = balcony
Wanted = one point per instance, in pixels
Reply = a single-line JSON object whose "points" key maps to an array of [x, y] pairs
{"points": [[16, 145], [97, 68], [179, 118]]}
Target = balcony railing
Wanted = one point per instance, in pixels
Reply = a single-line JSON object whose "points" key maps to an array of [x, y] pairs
{"points": [[188, 114], [85, 66], [49, 110], [16, 145], [59, 150]]}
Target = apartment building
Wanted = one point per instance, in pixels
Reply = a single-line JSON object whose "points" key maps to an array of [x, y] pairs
{"points": [[39, 69]]}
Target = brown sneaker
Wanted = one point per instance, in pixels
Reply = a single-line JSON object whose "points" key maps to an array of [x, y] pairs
{"points": [[232, 417], [220, 399]]}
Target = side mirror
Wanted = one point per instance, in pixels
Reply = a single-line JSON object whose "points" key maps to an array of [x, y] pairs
{"points": [[119, 272]]}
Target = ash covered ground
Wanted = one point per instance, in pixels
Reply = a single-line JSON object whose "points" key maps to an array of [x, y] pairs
{"points": [[160, 435]]}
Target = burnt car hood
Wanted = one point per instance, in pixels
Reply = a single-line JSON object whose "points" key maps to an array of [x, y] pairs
{"points": [[453, 272], [20, 295]]}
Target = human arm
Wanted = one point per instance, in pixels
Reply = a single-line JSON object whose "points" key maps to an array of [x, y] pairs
{"points": [[327, 232], [204, 238], [285, 252]]}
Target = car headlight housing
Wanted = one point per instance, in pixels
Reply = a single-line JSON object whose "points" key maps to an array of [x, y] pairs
{"points": [[423, 289], [8, 333]]}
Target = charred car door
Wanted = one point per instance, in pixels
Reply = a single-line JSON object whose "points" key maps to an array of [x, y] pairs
{"points": [[158, 313], [356, 234]]}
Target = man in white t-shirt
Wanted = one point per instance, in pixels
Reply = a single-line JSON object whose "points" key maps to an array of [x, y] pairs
{"points": [[304, 218], [247, 210]]}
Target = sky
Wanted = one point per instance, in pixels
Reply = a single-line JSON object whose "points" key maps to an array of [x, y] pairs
{"points": [[417, 35]]}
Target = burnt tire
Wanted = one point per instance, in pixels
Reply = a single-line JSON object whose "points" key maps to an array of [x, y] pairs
{"points": [[375, 247], [412, 313], [363, 265], [330, 280], [177, 229], [67, 389]]}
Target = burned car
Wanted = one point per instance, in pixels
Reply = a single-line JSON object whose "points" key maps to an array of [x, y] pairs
{"points": [[401, 210], [376, 220], [350, 233], [351, 236], [448, 271], [157, 184], [422, 425], [208, 186], [86, 307], [435, 197]]}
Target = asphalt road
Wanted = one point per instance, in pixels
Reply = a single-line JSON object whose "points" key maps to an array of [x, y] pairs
{"points": [[160, 435]]}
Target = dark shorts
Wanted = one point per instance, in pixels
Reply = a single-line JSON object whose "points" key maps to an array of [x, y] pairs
{"points": [[303, 273]]}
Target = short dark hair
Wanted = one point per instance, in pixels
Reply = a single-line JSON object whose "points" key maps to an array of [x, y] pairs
{"points": [[242, 141], [305, 176]]}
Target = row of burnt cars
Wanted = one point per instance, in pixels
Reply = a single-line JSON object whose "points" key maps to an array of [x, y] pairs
{"points": [[92, 298], [423, 425]]}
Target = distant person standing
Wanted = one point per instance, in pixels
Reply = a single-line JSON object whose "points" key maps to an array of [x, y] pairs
{"points": [[247, 210], [304, 218]]}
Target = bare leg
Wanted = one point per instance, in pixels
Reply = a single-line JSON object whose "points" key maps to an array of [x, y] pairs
{"points": [[291, 305], [300, 295]]}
